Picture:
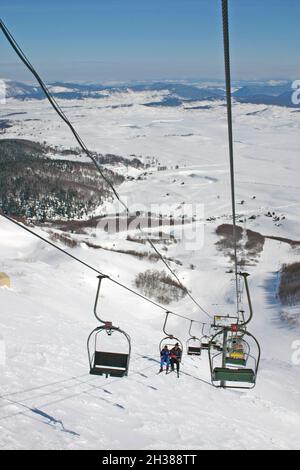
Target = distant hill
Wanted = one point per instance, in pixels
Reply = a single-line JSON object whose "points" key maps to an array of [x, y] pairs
{"points": [[23, 91], [277, 95], [63, 90], [266, 90], [175, 94]]}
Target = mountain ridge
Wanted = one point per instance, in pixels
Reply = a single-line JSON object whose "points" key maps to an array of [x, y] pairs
{"points": [[176, 94]]}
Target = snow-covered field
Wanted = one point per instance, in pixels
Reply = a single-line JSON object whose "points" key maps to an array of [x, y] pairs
{"points": [[47, 397]]}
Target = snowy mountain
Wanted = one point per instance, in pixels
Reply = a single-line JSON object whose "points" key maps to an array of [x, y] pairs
{"points": [[174, 93], [263, 89], [276, 95], [48, 399]]}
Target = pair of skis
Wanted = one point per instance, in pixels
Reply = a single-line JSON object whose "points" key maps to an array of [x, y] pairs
{"points": [[168, 372]]}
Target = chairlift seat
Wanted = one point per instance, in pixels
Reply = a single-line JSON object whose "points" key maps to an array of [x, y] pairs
{"points": [[206, 343], [234, 375], [110, 364], [213, 344], [194, 351]]}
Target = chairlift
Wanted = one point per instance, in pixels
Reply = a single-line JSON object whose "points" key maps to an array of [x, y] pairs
{"points": [[233, 362], [193, 344], [102, 362], [206, 341], [237, 353]]}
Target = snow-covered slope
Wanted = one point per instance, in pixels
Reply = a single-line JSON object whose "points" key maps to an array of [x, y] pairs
{"points": [[48, 399]]}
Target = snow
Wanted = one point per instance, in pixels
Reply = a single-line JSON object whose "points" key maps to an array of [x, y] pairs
{"points": [[47, 398], [60, 89]]}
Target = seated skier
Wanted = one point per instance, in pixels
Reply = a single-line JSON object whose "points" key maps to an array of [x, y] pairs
{"points": [[175, 356], [237, 350], [164, 359], [238, 345]]}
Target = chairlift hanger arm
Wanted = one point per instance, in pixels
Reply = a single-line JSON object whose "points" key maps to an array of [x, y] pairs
{"points": [[190, 330], [245, 276], [165, 324], [108, 324], [206, 335], [169, 336]]}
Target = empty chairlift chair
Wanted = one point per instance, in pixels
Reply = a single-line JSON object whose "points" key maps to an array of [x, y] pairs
{"points": [[206, 342], [114, 364], [193, 344]]}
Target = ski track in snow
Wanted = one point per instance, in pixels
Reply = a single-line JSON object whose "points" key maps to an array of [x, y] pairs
{"points": [[47, 397]]}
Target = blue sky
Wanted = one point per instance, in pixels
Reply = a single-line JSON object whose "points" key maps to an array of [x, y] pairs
{"points": [[97, 40]]}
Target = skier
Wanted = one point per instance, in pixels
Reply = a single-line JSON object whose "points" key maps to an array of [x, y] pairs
{"points": [[238, 350], [175, 356], [164, 359], [237, 345]]}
